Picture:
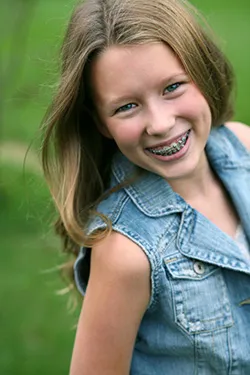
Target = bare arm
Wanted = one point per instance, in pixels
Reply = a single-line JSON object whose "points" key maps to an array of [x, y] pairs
{"points": [[242, 131], [116, 298]]}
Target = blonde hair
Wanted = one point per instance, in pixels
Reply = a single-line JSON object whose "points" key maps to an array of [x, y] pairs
{"points": [[76, 157]]}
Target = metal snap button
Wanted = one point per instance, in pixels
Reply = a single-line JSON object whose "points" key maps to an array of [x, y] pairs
{"points": [[199, 268]]}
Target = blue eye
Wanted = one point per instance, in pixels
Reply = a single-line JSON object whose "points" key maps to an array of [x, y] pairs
{"points": [[126, 107], [172, 87]]}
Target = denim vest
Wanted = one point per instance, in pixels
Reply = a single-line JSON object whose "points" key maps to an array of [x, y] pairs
{"points": [[198, 318]]}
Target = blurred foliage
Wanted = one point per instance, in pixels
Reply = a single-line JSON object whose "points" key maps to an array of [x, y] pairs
{"points": [[36, 329]]}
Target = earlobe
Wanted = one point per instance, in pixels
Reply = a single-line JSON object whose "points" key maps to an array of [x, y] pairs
{"points": [[102, 128], [104, 131]]}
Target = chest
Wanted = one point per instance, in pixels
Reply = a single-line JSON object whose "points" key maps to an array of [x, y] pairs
{"points": [[220, 211]]}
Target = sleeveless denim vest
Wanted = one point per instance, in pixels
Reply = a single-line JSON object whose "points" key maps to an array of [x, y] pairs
{"points": [[198, 318]]}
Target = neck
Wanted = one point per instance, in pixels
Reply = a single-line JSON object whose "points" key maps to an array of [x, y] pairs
{"points": [[198, 186]]}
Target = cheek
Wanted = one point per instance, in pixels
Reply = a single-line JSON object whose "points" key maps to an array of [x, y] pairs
{"points": [[195, 107], [125, 132]]}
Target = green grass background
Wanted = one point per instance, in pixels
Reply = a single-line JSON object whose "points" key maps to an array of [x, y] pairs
{"points": [[36, 329]]}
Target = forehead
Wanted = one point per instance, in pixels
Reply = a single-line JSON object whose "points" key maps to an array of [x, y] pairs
{"points": [[122, 68]]}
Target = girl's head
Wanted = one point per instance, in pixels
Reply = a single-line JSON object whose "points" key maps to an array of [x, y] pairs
{"points": [[98, 24], [81, 154]]}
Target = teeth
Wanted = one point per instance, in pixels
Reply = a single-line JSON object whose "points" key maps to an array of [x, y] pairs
{"points": [[173, 148]]}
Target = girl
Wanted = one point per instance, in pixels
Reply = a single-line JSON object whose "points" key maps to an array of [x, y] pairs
{"points": [[155, 189]]}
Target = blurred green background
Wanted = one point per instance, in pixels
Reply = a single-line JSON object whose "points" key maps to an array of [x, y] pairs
{"points": [[36, 327]]}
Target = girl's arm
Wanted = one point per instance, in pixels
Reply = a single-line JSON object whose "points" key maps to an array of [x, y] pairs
{"points": [[117, 296], [242, 131]]}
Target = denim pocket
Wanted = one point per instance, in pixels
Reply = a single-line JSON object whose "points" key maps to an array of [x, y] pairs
{"points": [[200, 296]]}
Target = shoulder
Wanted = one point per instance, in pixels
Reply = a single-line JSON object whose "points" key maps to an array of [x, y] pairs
{"points": [[242, 131], [117, 254], [116, 299]]}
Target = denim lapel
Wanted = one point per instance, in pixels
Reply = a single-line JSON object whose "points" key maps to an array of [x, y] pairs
{"points": [[231, 162], [200, 239]]}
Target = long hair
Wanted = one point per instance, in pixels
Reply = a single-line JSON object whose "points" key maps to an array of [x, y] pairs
{"points": [[76, 157]]}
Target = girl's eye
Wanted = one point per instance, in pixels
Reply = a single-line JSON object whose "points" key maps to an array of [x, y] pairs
{"points": [[172, 87], [126, 107]]}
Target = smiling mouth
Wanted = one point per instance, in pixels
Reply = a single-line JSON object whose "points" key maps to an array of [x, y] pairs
{"points": [[173, 148]]}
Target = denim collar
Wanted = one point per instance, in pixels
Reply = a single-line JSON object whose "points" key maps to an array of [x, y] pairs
{"points": [[150, 193], [225, 151], [213, 246], [155, 197]]}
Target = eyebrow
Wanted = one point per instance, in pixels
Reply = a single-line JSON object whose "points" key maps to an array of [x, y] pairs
{"points": [[113, 103]]}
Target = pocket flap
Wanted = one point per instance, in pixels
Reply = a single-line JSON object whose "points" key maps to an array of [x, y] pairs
{"points": [[187, 268]]}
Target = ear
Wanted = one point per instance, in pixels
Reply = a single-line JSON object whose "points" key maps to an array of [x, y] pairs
{"points": [[102, 127]]}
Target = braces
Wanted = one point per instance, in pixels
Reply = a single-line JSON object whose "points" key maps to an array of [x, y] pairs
{"points": [[175, 147]]}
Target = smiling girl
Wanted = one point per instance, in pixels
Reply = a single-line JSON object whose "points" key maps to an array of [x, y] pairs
{"points": [[151, 181]]}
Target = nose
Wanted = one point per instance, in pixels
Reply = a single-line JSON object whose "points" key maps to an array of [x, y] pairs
{"points": [[159, 121]]}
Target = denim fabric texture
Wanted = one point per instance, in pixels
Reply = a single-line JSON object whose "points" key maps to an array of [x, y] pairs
{"points": [[198, 318]]}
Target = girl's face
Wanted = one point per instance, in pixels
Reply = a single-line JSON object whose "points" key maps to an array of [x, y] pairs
{"points": [[147, 103]]}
